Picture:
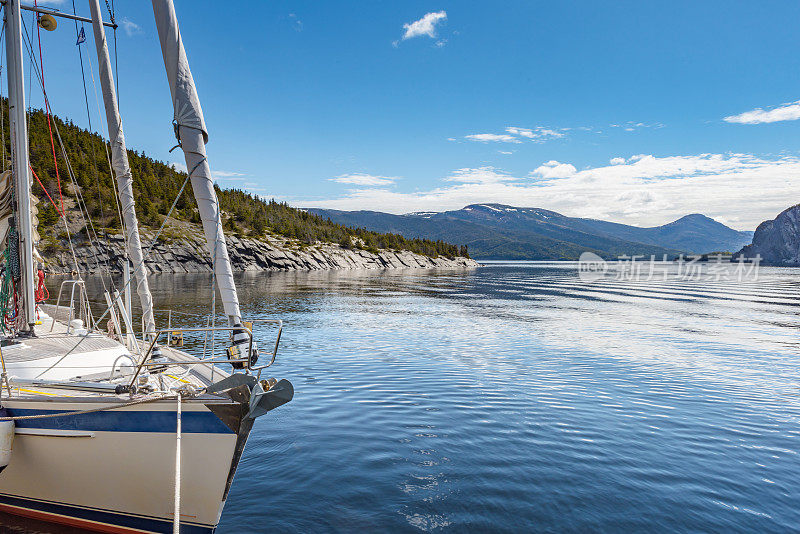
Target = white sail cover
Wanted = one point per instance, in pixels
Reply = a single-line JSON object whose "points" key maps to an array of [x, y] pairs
{"points": [[122, 170], [191, 130]]}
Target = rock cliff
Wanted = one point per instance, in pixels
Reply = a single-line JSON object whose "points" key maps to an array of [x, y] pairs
{"points": [[778, 240], [188, 255]]}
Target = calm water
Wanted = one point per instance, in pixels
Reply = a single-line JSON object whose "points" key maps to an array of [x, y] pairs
{"points": [[517, 397]]}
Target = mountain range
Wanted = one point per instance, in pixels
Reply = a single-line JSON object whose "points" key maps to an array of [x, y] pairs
{"points": [[497, 231]]}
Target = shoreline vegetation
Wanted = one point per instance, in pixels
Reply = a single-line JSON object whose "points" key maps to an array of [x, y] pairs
{"points": [[281, 237]]}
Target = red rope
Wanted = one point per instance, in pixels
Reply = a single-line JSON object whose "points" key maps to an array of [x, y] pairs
{"points": [[49, 127], [41, 294], [61, 213]]}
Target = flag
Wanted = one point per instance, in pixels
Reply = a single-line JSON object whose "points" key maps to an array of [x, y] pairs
{"points": [[81, 37]]}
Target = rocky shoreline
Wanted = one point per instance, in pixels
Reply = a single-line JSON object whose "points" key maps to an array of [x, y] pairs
{"points": [[776, 242], [188, 255]]}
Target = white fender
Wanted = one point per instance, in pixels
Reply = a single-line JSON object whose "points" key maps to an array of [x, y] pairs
{"points": [[6, 442]]}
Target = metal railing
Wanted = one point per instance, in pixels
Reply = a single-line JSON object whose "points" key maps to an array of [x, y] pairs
{"points": [[211, 361], [114, 365], [152, 338], [277, 342], [83, 301]]}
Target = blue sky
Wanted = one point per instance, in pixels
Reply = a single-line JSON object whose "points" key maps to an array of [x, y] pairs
{"points": [[615, 110]]}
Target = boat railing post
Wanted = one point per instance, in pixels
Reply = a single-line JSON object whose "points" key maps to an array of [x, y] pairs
{"points": [[71, 308], [58, 305], [130, 339], [86, 310], [89, 316], [113, 316], [4, 377], [176, 520]]}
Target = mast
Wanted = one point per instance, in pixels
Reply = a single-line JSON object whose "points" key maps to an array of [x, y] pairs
{"points": [[20, 161], [122, 170], [191, 131]]}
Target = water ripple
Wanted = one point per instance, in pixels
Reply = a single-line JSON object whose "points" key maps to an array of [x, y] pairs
{"points": [[518, 398]]}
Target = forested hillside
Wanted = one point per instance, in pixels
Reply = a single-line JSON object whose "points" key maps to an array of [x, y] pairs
{"points": [[156, 185]]}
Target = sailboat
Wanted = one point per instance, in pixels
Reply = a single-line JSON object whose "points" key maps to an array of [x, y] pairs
{"points": [[120, 432]]}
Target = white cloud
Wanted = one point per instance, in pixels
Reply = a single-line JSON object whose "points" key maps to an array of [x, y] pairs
{"points": [[631, 126], [541, 134], [481, 175], [617, 161], [786, 112], [364, 179], [424, 26], [486, 138], [741, 190], [538, 134], [130, 27], [297, 24], [516, 134], [553, 169]]}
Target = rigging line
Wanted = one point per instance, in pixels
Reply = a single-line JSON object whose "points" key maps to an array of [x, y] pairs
{"points": [[102, 120], [2, 113], [30, 72], [89, 115], [146, 253], [29, 49], [30, 67], [47, 109], [103, 125], [105, 147], [63, 218], [113, 14], [137, 267], [90, 230], [45, 190], [89, 225], [71, 246]]}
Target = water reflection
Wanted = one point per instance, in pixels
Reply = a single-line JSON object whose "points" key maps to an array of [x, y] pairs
{"points": [[518, 397]]}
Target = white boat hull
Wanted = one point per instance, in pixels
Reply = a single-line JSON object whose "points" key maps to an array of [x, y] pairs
{"points": [[113, 471]]}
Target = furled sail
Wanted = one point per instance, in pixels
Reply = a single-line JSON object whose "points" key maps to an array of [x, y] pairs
{"points": [[122, 170], [192, 134]]}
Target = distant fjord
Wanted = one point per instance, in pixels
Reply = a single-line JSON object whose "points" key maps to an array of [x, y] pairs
{"points": [[498, 231]]}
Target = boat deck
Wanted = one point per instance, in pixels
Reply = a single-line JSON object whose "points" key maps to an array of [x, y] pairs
{"points": [[55, 345], [60, 353]]}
